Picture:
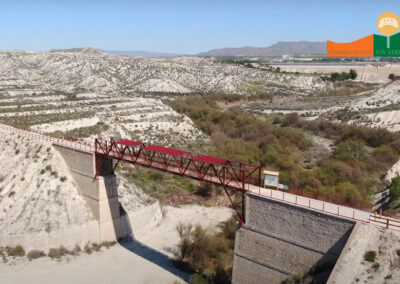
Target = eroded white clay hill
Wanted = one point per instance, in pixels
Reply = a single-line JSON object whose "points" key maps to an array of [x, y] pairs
{"points": [[37, 192], [353, 266], [102, 73]]}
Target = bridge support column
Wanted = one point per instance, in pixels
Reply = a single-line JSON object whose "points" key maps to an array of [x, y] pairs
{"points": [[100, 193]]}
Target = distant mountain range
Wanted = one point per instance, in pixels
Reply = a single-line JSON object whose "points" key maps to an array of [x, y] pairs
{"points": [[90, 50], [140, 53], [117, 52], [277, 49]]}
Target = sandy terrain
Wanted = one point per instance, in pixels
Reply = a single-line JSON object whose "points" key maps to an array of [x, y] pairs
{"points": [[116, 265], [354, 269], [144, 261]]}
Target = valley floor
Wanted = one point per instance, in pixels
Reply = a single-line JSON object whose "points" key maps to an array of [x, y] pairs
{"points": [[144, 260], [115, 265]]}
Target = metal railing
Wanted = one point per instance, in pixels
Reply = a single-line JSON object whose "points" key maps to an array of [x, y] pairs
{"points": [[81, 145], [384, 221], [314, 204], [328, 208]]}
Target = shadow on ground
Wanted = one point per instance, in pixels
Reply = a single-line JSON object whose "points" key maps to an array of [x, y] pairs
{"points": [[149, 253]]}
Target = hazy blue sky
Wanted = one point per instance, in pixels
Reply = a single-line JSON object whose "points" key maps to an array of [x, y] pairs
{"points": [[183, 26]]}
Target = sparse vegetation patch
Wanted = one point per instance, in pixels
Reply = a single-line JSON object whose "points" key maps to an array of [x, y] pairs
{"points": [[370, 256]]}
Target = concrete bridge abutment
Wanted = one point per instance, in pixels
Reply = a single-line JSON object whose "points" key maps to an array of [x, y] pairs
{"points": [[100, 193]]}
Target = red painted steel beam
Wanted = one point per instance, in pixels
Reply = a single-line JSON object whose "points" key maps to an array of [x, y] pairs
{"points": [[200, 167]]}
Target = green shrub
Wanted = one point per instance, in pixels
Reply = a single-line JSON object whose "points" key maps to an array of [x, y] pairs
{"points": [[35, 254], [393, 77], [16, 251], [58, 252], [350, 151], [348, 191], [395, 187], [229, 228], [221, 275], [108, 244], [198, 279], [76, 250], [294, 279], [385, 155], [378, 137], [370, 256], [205, 189], [87, 249], [352, 74], [292, 119], [375, 266], [3, 255], [96, 247], [211, 255]]}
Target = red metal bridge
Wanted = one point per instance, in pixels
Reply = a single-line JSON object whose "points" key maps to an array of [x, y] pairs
{"points": [[219, 171]]}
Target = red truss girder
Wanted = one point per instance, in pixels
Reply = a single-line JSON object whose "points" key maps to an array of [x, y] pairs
{"points": [[215, 170]]}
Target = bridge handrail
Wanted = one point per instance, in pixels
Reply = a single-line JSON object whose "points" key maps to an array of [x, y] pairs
{"points": [[388, 222], [75, 143], [314, 204]]}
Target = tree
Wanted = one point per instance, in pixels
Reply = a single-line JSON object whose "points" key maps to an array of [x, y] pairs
{"points": [[393, 77], [395, 187], [353, 74]]}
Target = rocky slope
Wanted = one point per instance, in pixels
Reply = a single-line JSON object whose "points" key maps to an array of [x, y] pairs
{"points": [[102, 73], [37, 192]]}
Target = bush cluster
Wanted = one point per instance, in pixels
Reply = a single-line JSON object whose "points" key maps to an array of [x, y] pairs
{"points": [[370, 256], [393, 77], [210, 255], [353, 170], [341, 76], [16, 251], [34, 254]]}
